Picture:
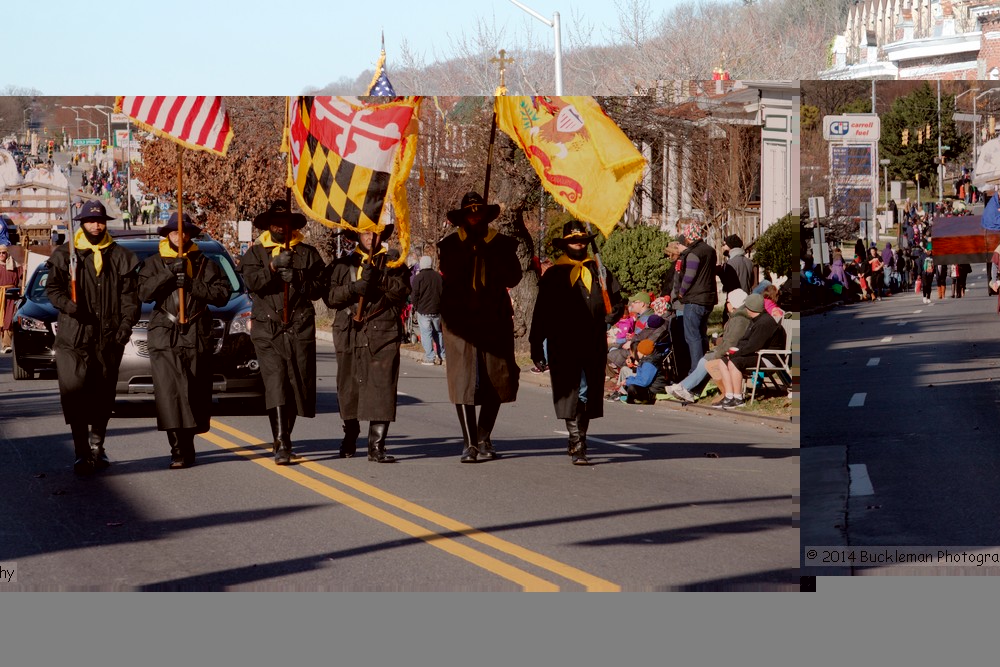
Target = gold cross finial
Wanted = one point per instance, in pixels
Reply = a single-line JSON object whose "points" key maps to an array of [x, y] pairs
{"points": [[504, 61]]}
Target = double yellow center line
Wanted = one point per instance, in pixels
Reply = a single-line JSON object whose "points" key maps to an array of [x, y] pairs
{"points": [[526, 580]]}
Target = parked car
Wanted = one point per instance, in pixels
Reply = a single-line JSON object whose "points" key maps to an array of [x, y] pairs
{"points": [[236, 370]]}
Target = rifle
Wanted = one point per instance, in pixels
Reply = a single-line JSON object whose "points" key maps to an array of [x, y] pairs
{"points": [[376, 243], [72, 246]]}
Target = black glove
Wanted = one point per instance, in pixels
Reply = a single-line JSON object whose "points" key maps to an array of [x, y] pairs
{"points": [[282, 261], [183, 281], [71, 308], [286, 274], [178, 266], [359, 287], [123, 335], [371, 273]]}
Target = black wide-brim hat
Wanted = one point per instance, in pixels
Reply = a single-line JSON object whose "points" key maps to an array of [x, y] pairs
{"points": [[574, 231], [191, 230], [352, 235], [473, 201], [278, 213], [92, 210]]}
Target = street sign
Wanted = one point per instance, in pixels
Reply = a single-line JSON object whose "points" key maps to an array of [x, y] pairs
{"points": [[87, 142], [817, 208], [864, 128]]}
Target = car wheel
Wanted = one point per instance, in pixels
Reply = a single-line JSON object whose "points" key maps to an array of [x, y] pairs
{"points": [[20, 373]]}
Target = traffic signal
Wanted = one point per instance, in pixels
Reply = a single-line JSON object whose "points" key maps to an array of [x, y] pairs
{"points": [[927, 132], [906, 136], [50, 151], [920, 136]]}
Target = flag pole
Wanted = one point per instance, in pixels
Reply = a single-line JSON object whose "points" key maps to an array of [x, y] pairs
{"points": [[489, 156], [288, 226], [602, 273], [180, 228]]}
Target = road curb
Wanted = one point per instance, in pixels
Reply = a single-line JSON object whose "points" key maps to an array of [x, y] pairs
{"points": [[542, 380]]}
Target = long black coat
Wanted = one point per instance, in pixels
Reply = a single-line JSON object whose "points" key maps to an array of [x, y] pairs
{"points": [[367, 351], [181, 355], [87, 353], [574, 321], [287, 354], [478, 324]]}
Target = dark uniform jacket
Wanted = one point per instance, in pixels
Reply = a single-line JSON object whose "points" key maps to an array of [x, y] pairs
{"points": [[87, 352], [764, 333], [427, 287], [287, 353], [367, 351], [478, 322], [574, 321], [181, 354]]}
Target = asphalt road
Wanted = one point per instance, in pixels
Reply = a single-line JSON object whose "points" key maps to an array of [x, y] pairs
{"points": [[904, 396], [678, 498]]}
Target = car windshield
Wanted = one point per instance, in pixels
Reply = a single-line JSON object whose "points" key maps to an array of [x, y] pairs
{"points": [[37, 293]]}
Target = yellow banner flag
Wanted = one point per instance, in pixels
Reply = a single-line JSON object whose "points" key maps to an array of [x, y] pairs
{"points": [[584, 160]]}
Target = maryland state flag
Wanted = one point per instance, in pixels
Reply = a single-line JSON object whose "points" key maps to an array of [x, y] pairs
{"points": [[347, 157], [584, 160]]}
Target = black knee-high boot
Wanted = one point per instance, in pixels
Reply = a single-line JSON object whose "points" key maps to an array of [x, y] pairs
{"points": [[176, 455], [97, 433], [84, 464], [283, 444], [467, 420], [185, 440], [377, 432], [582, 424], [487, 419], [349, 445], [272, 417]]}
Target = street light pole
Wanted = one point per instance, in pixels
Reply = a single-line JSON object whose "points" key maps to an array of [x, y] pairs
{"points": [[98, 108], [555, 25]]}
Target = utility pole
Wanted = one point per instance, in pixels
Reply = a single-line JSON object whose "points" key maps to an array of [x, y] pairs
{"points": [[940, 161]]}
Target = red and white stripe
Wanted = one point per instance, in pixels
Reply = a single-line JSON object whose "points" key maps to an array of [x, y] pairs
{"points": [[195, 121]]}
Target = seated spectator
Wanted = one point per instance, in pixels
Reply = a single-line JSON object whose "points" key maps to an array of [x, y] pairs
{"points": [[728, 370], [771, 302], [622, 331], [689, 389], [654, 328], [640, 312], [648, 380]]}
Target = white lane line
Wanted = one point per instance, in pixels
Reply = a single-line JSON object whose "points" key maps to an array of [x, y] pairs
{"points": [[591, 438], [917, 312], [873, 361], [901, 324], [887, 339], [861, 484], [857, 401]]}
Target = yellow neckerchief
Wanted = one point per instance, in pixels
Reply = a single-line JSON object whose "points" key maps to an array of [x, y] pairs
{"points": [[578, 271], [265, 240], [81, 242], [365, 258], [478, 269], [167, 250]]}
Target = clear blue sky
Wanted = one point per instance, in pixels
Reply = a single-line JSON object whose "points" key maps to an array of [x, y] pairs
{"points": [[267, 47]]}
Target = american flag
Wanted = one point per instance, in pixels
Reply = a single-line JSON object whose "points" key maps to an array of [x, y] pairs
{"points": [[199, 122], [382, 87]]}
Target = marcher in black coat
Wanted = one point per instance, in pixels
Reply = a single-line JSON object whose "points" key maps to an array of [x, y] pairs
{"points": [[570, 314], [93, 330], [367, 350], [478, 266], [181, 354], [286, 351]]}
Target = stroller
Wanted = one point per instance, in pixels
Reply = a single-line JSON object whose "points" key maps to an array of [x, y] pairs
{"points": [[411, 328], [663, 344]]}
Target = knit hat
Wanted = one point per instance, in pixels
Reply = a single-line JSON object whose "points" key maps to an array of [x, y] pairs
{"points": [[645, 347], [654, 322], [640, 296], [689, 233], [755, 302], [737, 297], [426, 262]]}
